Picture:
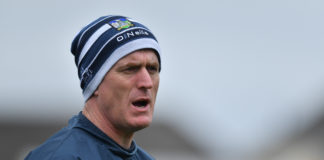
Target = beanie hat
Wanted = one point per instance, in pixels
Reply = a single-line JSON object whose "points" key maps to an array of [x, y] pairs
{"points": [[100, 44]]}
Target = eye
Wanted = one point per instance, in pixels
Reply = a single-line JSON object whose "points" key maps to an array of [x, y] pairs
{"points": [[152, 68], [130, 69]]}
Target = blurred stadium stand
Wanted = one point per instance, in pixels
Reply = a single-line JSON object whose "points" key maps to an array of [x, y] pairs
{"points": [[308, 145]]}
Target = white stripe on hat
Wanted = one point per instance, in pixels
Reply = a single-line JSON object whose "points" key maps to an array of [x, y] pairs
{"points": [[132, 20], [91, 27], [93, 39], [115, 57]]}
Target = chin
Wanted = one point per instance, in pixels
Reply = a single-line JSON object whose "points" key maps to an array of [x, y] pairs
{"points": [[141, 124]]}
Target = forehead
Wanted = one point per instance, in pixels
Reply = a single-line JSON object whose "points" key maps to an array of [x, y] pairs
{"points": [[147, 55]]}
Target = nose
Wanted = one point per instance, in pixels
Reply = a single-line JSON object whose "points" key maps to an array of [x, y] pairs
{"points": [[144, 79]]}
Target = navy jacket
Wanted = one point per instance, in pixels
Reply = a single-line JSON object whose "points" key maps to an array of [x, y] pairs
{"points": [[82, 140]]}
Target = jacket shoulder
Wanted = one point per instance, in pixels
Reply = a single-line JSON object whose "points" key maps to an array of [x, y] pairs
{"points": [[66, 144], [57, 156]]}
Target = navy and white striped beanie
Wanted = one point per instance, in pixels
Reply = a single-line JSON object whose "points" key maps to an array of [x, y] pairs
{"points": [[100, 44]]}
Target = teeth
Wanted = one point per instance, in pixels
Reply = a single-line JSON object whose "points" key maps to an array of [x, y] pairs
{"points": [[140, 106]]}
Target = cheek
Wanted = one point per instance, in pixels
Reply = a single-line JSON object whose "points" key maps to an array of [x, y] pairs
{"points": [[120, 91], [114, 99], [155, 88], [156, 84], [109, 92]]}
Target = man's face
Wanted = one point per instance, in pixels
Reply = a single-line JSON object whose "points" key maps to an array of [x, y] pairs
{"points": [[126, 96]]}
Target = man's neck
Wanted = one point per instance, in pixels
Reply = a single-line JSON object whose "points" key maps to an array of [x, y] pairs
{"points": [[93, 114]]}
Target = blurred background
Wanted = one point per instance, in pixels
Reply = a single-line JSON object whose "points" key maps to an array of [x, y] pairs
{"points": [[240, 80]]}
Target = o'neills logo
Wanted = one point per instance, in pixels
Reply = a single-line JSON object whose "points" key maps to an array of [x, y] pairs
{"points": [[131, 34]]}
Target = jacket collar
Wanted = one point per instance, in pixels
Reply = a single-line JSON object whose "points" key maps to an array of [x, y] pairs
{"points": [[80, 121]]}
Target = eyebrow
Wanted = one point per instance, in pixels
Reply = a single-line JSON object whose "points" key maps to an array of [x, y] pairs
{"points": [[130, 63], [135, 62]]}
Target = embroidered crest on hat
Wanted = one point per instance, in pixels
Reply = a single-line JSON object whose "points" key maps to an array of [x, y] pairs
{"points": [[121, 23]]}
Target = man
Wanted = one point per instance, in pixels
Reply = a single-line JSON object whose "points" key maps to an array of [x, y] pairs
{"points": [[118, 62]]}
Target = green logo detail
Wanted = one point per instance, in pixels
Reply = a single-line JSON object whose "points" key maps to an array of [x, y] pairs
{"points": [[121, 23]]}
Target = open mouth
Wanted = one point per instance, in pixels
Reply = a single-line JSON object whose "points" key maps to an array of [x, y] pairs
{"points": [[140, 103]]}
